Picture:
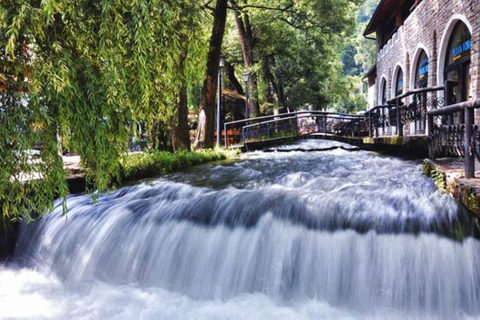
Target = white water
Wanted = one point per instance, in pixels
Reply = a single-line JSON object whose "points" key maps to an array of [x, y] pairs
{"points": [[299, 235]]}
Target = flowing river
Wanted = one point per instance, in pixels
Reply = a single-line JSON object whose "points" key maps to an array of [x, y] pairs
{"points": [[312, 233]]}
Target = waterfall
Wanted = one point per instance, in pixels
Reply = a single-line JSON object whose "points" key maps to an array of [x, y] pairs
{"points": [[332, 234]]}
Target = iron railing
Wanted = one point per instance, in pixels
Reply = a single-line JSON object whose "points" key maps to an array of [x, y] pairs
{"points": [[410, 107], [460, 139], [430, 112], [294, 124]]}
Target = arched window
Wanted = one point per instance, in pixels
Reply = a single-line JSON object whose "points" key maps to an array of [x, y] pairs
{"points": [[383, 92], [457, 64], [399, 83], [421, 76]]}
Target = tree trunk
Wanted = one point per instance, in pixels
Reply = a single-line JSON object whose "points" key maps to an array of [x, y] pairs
{"points": [[276, 83], [182, 134], [232, 79], [270, 80], [161, 136], [210, 84], [246, 41]]}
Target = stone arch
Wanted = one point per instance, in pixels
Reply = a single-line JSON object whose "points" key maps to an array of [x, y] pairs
{"points": [[442, 53]]}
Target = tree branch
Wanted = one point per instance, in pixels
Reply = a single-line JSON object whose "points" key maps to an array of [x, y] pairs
{"points": [[236, 6]]}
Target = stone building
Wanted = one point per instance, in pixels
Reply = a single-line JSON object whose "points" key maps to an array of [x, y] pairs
{"points": [[423, 43]]}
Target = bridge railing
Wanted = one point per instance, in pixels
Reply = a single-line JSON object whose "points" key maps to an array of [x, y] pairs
{"points": [[410, 107], [294, 124], [460, 140]]}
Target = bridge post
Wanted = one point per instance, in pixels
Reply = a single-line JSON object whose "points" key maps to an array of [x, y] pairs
{"points": [[325, 124], [399, 120], [370, 129], [296, 125], [383, 121], [469, 157], [226, 134]]}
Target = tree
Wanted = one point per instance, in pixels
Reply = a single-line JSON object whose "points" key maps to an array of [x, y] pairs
{"points": [[365, 48], [79, 74], [247, 43], [210, 83], [292, 48]]}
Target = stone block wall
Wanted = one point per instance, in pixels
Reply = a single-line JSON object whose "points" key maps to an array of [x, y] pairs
{"points": [[429, 27]]}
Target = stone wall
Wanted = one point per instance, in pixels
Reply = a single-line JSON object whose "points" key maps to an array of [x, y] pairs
{"points": [[429, 27]]}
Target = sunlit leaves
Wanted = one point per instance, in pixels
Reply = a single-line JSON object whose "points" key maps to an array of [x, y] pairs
{"points": [[75, 74]]}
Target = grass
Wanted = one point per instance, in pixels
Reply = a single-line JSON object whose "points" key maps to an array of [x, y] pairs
{"points": [[156, 163]]}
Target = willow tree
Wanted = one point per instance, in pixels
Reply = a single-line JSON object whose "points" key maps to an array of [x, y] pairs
{"points": [[81, 74]]}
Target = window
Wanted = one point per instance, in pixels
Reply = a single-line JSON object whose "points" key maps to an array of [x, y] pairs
{"points": [[421, 76], [457, 64], [383, 97], [399, 83]]}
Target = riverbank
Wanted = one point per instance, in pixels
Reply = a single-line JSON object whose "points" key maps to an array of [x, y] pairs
{"points": [[142, 165], [134, 166]]}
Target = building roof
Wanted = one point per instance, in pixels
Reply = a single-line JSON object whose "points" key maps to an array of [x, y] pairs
{"points": [[372, 71], [384, 10]]}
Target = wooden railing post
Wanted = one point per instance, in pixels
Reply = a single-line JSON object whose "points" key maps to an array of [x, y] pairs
{"points": [[469, 157]]}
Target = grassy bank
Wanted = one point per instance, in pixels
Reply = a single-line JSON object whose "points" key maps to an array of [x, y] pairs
{"points": [[155, 163]]}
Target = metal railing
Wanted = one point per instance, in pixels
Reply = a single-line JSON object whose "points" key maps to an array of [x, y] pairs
{"points": [[410, 107], [294, 124], [450, 139]]}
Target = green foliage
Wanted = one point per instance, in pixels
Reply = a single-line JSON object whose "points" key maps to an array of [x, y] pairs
{"points": [[155, 163], [358, 58], [79, 76], [359, 54], [365, 48], [439, 178], [353, 99], [350, 66], [473, 203], [306, 38], [74, 74]]}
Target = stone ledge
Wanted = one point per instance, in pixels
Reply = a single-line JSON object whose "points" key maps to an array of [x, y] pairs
{"points": [[415, 147], [449, 176]]}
